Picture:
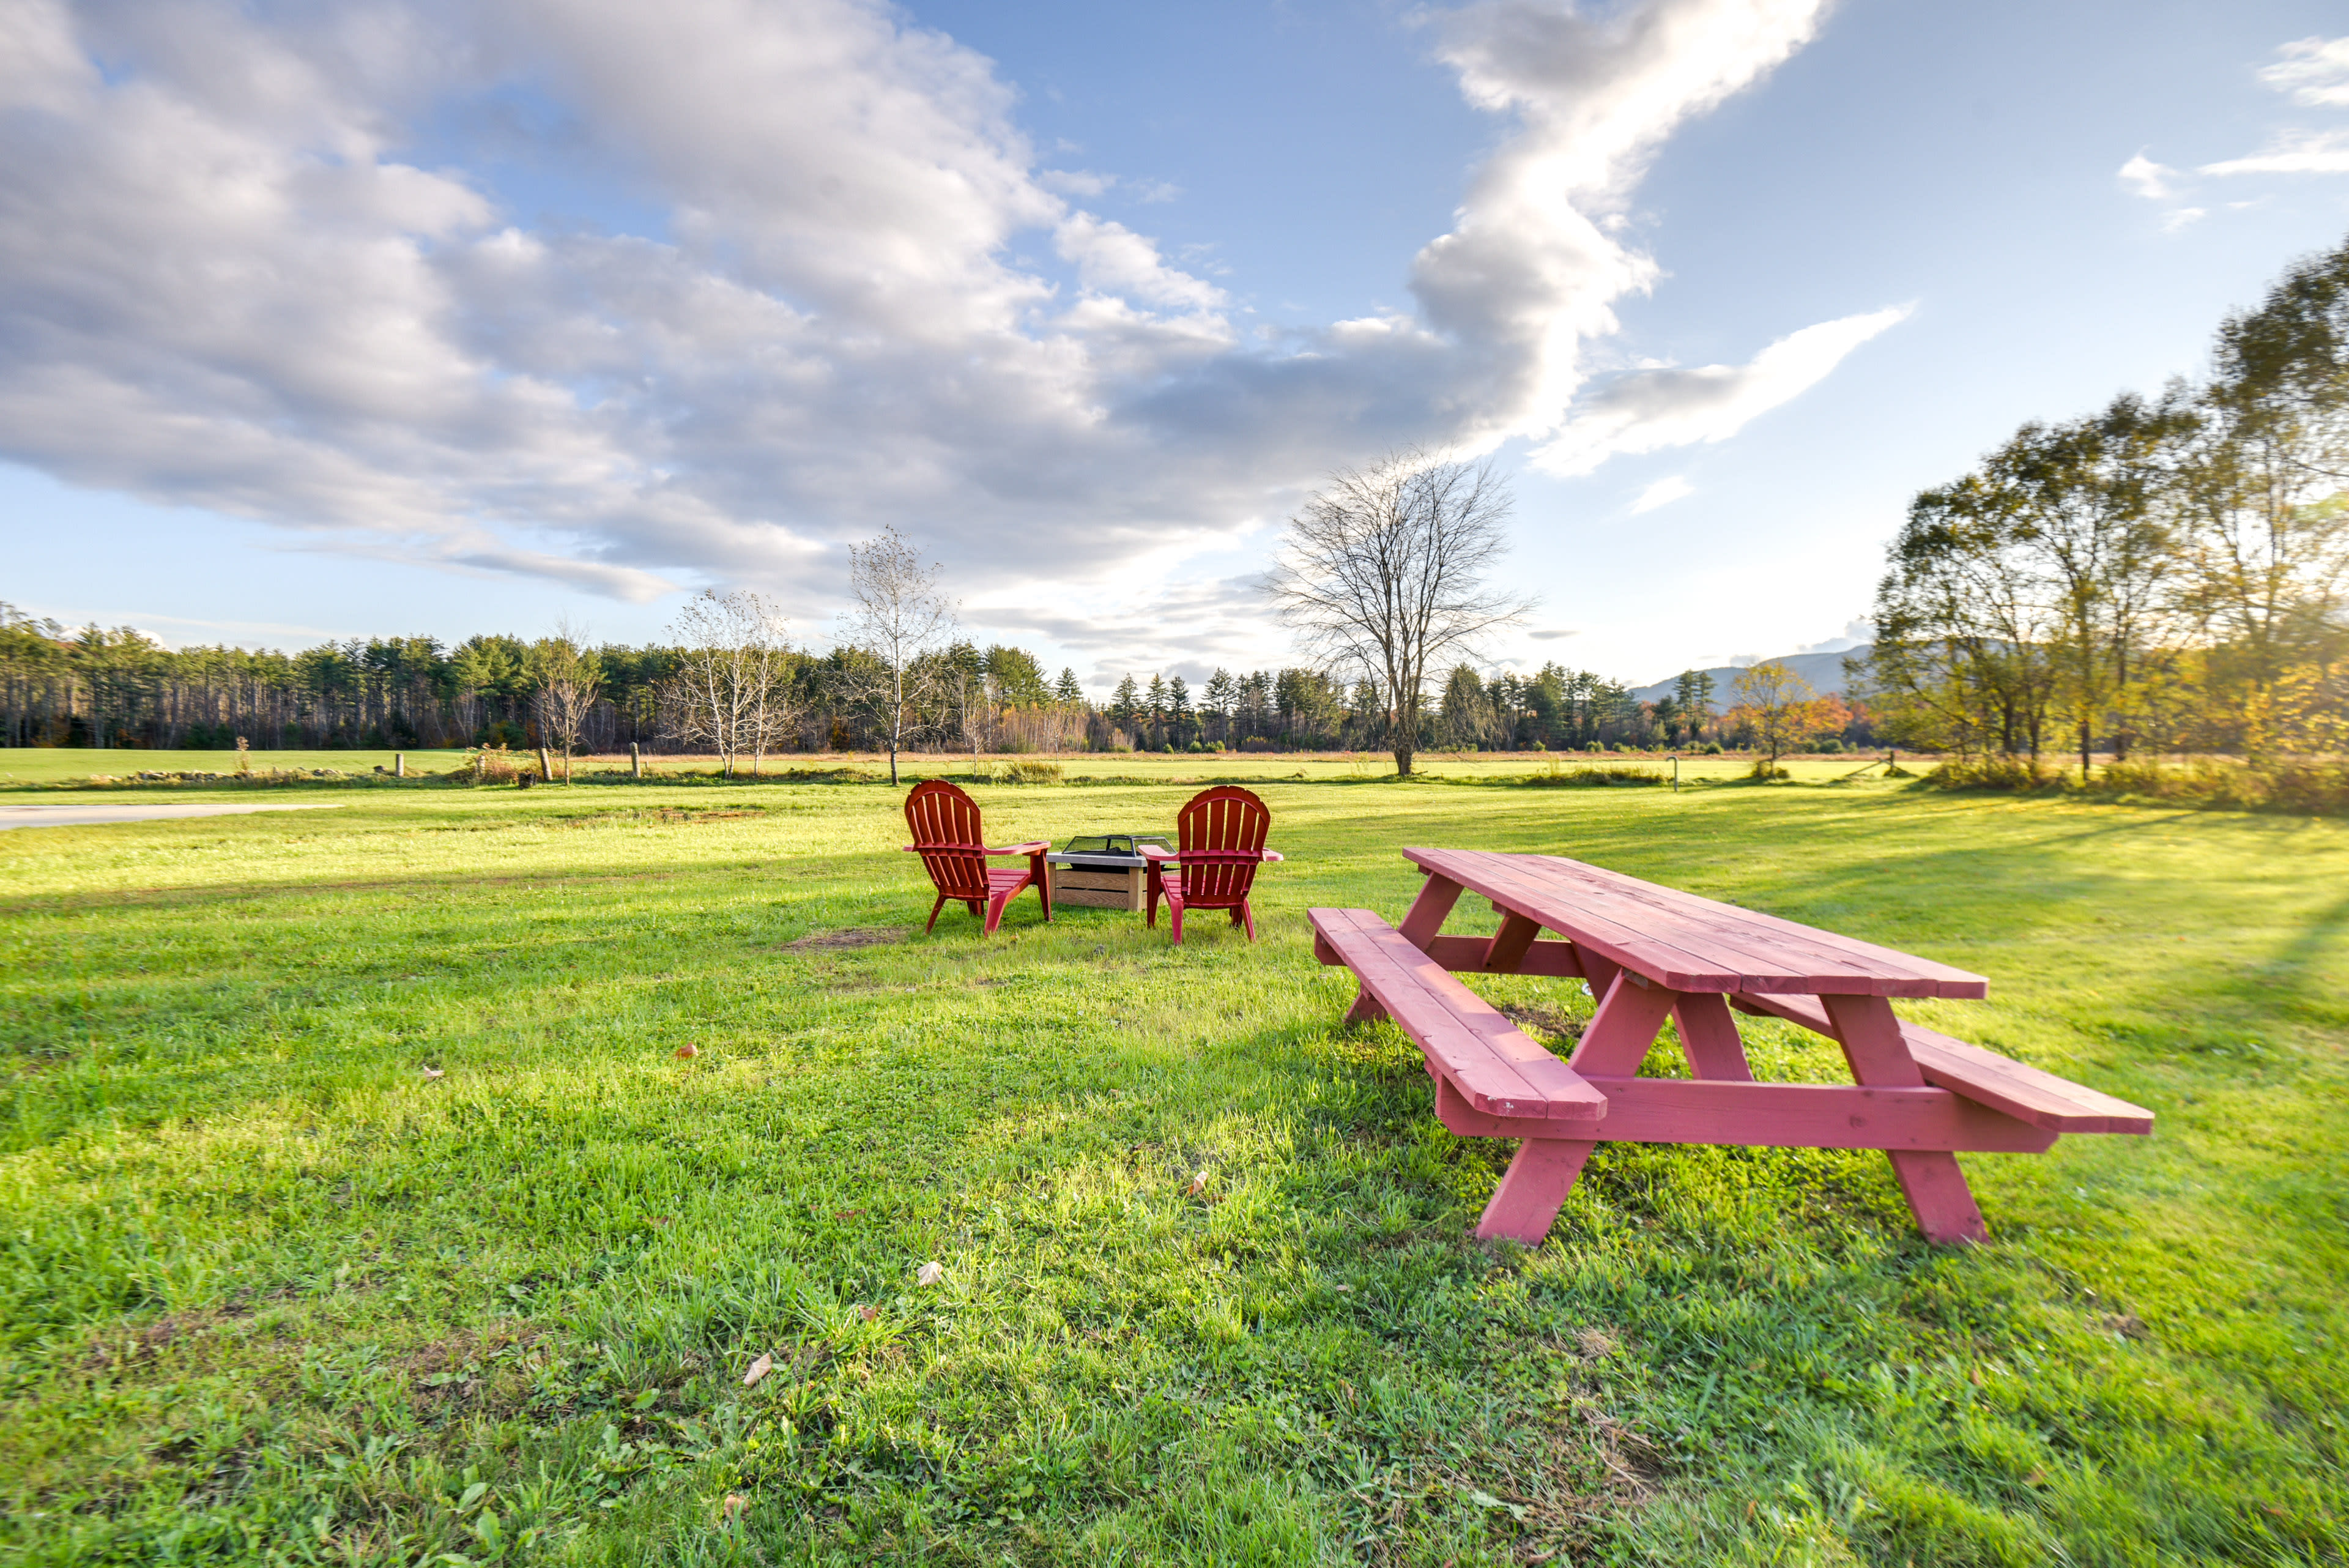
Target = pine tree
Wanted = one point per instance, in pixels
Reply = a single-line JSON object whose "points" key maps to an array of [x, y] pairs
{"points": [[1067, 689], [1125, 703]]}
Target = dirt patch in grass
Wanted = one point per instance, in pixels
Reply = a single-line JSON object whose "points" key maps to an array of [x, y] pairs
{"points": [[1544, 1021], [658, 814], [849, 937], [473, 1369]]}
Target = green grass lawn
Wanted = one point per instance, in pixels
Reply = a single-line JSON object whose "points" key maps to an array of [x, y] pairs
{"points": [[355, 1205]]}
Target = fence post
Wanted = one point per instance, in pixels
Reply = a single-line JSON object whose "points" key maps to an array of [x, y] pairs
{"points": [[399, 764], [546, 766], [635, 762], [1676, 773]]}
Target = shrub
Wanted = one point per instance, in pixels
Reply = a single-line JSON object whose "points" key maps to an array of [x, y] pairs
{"points": [[1032, 772], [2310, 785], [1593, 778], [1710, 748], [1766, 771], [1830, 746], [2011, 775], [495, 765]]}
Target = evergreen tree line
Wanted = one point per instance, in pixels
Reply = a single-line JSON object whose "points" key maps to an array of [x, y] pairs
{"points": [[2164, 576], [120, 687]]}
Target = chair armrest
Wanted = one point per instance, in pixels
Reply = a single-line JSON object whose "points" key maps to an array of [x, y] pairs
{"points": [[1228, 856], [1038, 847]]}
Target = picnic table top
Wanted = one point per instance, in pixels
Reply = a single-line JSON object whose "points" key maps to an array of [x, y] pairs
{"points": [[1686, 942]]}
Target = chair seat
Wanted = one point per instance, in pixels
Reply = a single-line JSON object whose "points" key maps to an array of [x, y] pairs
{"points": [[998, 879]]}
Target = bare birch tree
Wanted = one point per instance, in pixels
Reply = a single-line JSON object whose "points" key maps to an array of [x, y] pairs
{"points": [[902, 623], [732, 686], [1383, 575], [570, 677]]}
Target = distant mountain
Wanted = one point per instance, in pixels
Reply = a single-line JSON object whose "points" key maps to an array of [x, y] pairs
{"points": [[1823, 670]]}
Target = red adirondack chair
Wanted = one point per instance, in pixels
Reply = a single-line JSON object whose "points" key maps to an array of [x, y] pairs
{"points": [[1219, 842], [946, 836]]}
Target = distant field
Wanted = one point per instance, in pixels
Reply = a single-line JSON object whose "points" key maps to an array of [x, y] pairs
{"points": [[355, 1205], [54, 765]]}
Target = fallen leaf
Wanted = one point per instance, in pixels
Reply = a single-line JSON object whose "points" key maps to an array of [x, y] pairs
{"points": [[930, 1274], [759, 1369], [1198, 1185], [1343, 1290], [434, 1072], [847, 1214], [664, 1221], [688, 1051], [735, 1504], [868, 1313]]}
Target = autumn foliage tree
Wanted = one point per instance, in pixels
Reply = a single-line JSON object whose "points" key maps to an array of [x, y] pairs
{"points": [[1780, 708]]}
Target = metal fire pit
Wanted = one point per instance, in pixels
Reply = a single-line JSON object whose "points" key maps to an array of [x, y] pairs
{"points": [[1104, 870]]}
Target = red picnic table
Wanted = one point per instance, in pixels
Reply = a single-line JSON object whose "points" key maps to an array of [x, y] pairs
{"points": [[1647, 953]]}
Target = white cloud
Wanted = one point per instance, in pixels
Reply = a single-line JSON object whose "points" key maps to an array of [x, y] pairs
{"points": [[2293, 152], [1075, 182], [222, 286], [2148, 179], [2315, 71], [1112, 259], [1853, 633], [1663, 492], [2177, 218], [1645, 411]]}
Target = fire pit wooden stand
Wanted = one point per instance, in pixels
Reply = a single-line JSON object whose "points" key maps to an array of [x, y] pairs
{"points": [[1105, 871]]}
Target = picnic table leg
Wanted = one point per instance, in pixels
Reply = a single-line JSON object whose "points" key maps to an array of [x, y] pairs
{"points": [[1525, 1204], [1709, 1037], [1936, 1188], [1545, 1169], [1419, 924], [1511, 943]]}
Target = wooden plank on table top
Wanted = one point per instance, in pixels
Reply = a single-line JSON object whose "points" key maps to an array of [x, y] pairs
{"points": [[1494, 1063], [1659, 945], [1970, 986], [1767, 952], [2022, 1091], [1627, 945], [1786, 954], [1796, 957]]}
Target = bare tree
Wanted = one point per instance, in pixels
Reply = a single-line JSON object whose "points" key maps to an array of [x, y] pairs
{"points": [[902, 623], [1383, 575], [570, 677], [732, 686]]}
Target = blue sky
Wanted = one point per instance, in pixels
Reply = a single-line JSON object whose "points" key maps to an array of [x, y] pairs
{"points": [[396, 317]]}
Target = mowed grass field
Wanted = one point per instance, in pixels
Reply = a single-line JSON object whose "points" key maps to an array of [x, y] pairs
{"points": [[355, 1208], [63, 765]]}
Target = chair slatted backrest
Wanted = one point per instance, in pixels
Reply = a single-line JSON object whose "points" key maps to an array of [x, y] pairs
{"points": [[945, 821], [1223, 821]]}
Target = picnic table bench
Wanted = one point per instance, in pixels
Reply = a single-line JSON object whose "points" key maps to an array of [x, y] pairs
{"points": [[1648, 953]]}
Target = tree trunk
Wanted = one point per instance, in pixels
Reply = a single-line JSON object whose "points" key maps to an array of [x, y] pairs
{"points": [[1403, 762]]}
